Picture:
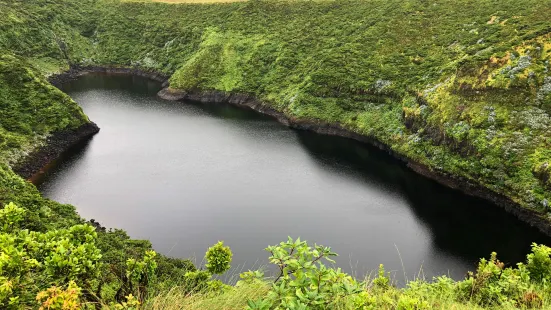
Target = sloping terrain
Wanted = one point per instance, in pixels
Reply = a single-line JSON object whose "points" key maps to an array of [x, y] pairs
{"points": [[462, 91]]}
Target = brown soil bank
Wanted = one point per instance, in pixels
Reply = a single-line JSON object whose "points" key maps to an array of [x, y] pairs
{"points": [[246, 101]]}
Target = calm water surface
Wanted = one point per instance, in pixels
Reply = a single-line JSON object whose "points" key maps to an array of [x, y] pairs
{"points": [[185, 175]]}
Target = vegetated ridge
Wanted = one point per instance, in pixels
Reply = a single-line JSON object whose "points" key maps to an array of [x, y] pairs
{"points": [[460, 90]]}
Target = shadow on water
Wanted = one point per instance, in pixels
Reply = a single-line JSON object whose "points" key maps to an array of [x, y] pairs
{"points": [[463, 228], [137, 85], [461, 225], [68, 159]]}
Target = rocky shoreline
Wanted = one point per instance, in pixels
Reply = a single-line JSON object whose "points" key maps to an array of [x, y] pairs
{"points": [[58, 143], [531, 217], [62, 141]]}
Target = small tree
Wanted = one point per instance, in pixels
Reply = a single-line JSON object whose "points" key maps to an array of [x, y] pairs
{"points": [[218, 258]]}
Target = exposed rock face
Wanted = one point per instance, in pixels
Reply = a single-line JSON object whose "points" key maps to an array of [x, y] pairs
{"points": [[58, 143]]}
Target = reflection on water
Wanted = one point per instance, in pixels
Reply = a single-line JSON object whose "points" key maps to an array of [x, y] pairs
{"points": [[464, 226], [185, 175]]}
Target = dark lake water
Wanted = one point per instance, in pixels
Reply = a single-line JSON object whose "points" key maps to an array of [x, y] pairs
{"points": [[185, 175]]}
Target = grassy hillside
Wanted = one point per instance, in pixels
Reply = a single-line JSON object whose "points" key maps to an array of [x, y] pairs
{"points": [[31, 109], [462, 87], [464, 91]]}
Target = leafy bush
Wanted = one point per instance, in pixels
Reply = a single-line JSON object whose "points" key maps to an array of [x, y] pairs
{"points": [[32, 261], [304, 282], [538, 263], [56, 262], [55, 298], [494, 284], [218, 258], [139, 274], [10, 217]]}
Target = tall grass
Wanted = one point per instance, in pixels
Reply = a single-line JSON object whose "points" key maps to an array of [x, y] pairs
{"points": [[237, 297], [186, 1], [234, 298]]}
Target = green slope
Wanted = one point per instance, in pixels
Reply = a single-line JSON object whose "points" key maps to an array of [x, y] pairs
{"points": [[434, 82], [461, 87], [31, 109]]}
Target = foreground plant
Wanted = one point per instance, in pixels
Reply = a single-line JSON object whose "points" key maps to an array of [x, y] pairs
{"points": [[218, 259], [32, 261], [304, 282], [56, 298]]}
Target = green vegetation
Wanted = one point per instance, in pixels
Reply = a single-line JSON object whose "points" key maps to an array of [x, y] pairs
{"points": [[86, 265], [463, 91], [31, 109], [463, 88], [305, 282], [184, 1]]}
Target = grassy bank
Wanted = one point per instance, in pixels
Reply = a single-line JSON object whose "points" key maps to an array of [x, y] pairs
{"points": [[463, 88]]}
